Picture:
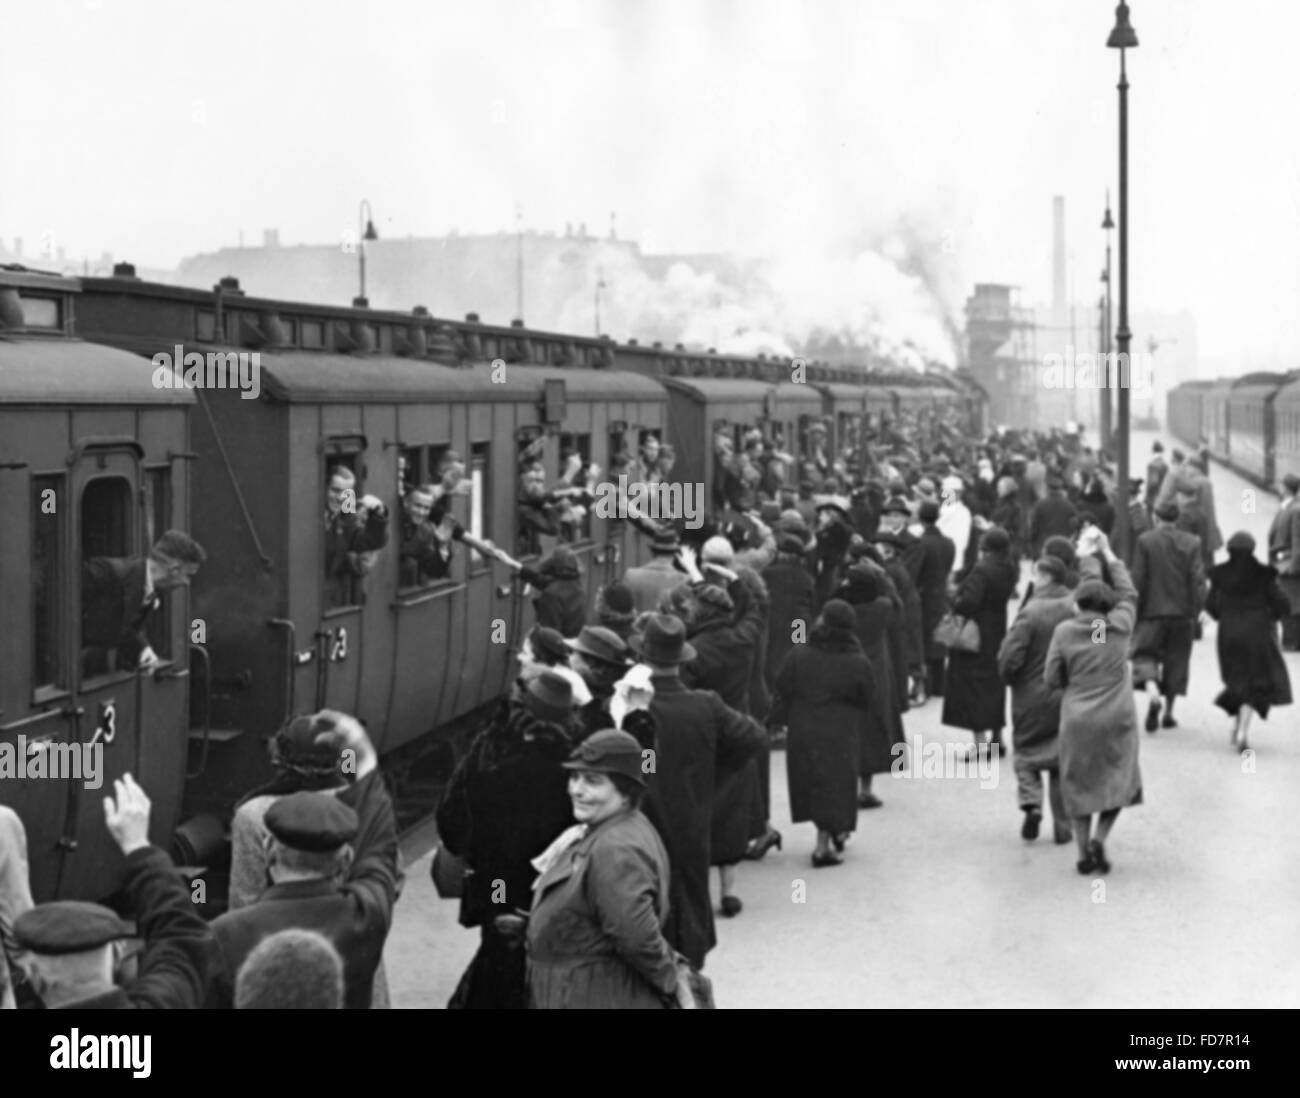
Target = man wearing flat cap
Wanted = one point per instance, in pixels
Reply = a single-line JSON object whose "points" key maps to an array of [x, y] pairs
{"points": [[1284, 555], [699, 737], [332, 871], [1169, 574], [72, 946]]}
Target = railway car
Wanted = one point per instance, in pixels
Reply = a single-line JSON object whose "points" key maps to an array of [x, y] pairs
{"points": [[1216, 427], [1252, 435], [1286, 413], [1184, 411], [93, 464]]}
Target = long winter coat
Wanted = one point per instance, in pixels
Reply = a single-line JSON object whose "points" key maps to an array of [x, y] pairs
{"points": [[696, 736], [1247, 601], [937, 556], [1099, 737], [723, 663], [973, 694], [823, 693], [791, 598], [1035, 707], [877, 619], [913, 639], [595, 938]]}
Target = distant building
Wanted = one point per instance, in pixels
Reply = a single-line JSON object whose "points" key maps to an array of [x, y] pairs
{"points": [[1000, 353]]}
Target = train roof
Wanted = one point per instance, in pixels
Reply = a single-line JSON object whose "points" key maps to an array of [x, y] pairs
{"points": [[306, 378], [716, 390], [70, 371]]}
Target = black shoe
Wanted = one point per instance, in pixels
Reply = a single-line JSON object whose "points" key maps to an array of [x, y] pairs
{"points": [[1085, 867], [839, 839], [1153, 715], [731, 906], [757, 848], [820, 861], [1029, 829], [869, 800], [1097, 855], [1169, 721]]}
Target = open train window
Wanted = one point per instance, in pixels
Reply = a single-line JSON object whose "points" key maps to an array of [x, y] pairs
{"points": [[48, 583], [354, 536], [157, 519], [479, 504], [574, 515], [113, 608], [534, 515]]}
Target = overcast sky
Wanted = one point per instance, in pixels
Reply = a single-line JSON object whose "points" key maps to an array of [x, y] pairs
{"points": [[156, 129]]}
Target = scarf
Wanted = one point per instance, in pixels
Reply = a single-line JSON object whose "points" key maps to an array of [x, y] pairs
{"points": [[552, 854]]}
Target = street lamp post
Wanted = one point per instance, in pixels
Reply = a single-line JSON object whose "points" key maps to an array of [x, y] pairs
{"points": [[1107, 346], [1123, 37], [365, 231]]}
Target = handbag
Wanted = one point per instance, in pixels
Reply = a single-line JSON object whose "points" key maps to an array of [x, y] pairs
{"points": [[957, 633], [448, 871]]}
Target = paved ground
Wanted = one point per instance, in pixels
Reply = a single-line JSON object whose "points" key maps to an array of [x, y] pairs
{"points": [[941, 903]]}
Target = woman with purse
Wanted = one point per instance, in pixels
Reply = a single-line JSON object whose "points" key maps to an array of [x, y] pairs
{"points": [[595, 938], [974, 695]]}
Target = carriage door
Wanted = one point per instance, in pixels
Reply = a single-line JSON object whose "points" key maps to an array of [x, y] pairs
{"points": [[107, 692], [346, 578]]}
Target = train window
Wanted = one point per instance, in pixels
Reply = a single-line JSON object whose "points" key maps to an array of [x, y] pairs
{"points": [[157, 520], [353, 539], [205, 326], [41, 312], [376, 337], [575, 518], [110, 578], [412, 468], [313, 335], [47, 585], [534, 515], [479, 504], [289, 332], [425, 559]]}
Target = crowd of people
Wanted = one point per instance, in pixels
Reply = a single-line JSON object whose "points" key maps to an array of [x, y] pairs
{"points": [[631, 758]]}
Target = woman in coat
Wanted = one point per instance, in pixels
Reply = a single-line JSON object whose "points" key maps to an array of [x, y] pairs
{"points": [[823, 693], [1247, 602], [974, 696], [595, 938], [1088, 661], [562, 604], [877, 624], [505, 803]]}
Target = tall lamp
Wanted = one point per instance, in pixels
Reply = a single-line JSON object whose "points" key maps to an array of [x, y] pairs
{"points": [[365, 231]]}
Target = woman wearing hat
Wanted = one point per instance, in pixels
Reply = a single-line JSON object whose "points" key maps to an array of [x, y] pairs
{"points": [[974, 696], [1088, 661], [504, 804], [1247, 601], [823, 693], [595, 938]]}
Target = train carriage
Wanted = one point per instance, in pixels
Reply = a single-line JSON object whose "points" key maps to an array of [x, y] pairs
{"points": [[92, 464], [1216, 426], [1252, 440], [1286, 412]]}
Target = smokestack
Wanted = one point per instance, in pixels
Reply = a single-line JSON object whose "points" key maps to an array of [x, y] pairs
{"points": [[1058, 259]]}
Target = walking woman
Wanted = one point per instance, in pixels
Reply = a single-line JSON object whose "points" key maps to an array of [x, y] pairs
{"points": [[1247, 601], [594, 936], [974, 696], [1088, 661], [823, 692]]}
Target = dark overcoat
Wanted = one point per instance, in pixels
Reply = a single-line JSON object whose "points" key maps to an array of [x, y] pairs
{"points": [[823, 694], [791, 597], [973, 694], [937, 555], [913, 638], [697, 735], [1247, 601], [877, 619]]}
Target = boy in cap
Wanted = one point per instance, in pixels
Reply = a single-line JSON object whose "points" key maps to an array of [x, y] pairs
{"points": [[71, 945]]}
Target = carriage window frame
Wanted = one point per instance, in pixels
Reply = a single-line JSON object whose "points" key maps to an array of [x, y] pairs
{"points": [[480, 503], [130, 524], [348, 451], [60, 684], [156, 480], [427, 458], [583, 444], [525, 437]]}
